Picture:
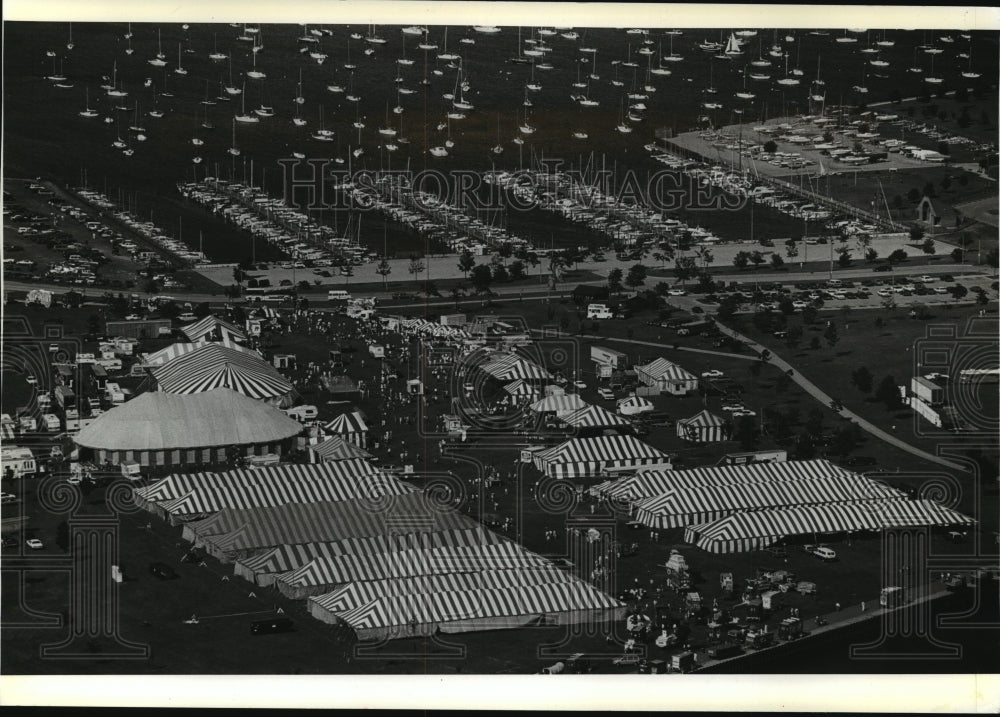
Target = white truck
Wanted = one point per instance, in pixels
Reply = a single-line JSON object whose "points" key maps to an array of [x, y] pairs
{"points": [[19, 460], [599, 311], [131, 471]]}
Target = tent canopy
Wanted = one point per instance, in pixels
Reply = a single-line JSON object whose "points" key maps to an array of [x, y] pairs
{"points": [[214, 366]]}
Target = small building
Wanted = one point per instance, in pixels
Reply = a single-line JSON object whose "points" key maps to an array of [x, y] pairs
{"points": [[453, 319], [929, 390], [139, 328], [18, 462], [703, 427], [927, 213], [606, 361], [742, 459], [285, 361]]}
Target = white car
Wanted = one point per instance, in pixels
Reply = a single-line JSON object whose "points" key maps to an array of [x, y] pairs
{"points": [[713, 373], [676, 292], [730, 408], [884, 292], [579, 384], [824, 553], [940, 289], [30, 378], [800, 304], [928, 279], [606, 394], [743, 412], [34, 543]]}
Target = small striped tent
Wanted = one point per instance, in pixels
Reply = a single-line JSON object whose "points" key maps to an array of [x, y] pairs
{"points": [[582, 457], [742, 532], [521, 391], [668, 377], [351, 427], [634, 405], [559, 405], [169, 353], [212, 328], [336, 448], [703, 427], [511, 367], [592, 417]]}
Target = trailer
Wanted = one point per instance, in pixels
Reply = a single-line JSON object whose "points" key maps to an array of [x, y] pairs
{"points": [[18, 462]]}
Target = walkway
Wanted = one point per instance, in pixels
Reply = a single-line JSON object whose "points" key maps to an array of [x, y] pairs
{"points": [[823, 398]]}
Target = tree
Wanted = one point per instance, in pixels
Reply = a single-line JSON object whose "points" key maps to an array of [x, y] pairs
{"points": [[916, 234], [636, 276], [844, 259], [776, 261], [239, 275], [845, 440], [982, 299], [786, 306], [814, 422], [564, 322], [946, 183], [685, 241], [756, 258], [684, 269], [814, 343], [928, 246], [727, 308], [416, 267], [614, 281], [505, 250], [383, 269], [889, 303], [745, 431], [770, 146], [500, 274], [897, 256], [741, 260], [93, 324], [466, 260], [888, 393], [913, 195], [809, 314], [805, 447], [793, 336], [958, 291], [516, 270], [871, 255], [457, 292], [862, 379], [482, 277], [831, 334], [791, 249]]}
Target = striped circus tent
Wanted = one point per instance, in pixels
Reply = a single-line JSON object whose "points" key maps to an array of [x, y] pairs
{"points": [[351, 426], [231, 533], [742, 532], [337, 448], [212, 326], [214, 366], [454, 611], [264, 567], [579, 457], [683, 507], [703, 427], [634, 405], [511, 367], [559, 405], [592, 417], [648, 483], [321, 575], [520, 389], [169, 353]]}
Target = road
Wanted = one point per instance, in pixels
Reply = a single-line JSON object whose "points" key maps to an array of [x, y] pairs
{"points": [[813, 390]]}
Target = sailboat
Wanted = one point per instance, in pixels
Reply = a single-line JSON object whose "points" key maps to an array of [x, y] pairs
{"points": [[970, 74], [87, 112], [373, 38], [404, 60], [232, 89], [915, 68], [255, 74], [733, 48], [459, 102], [129, 50], [498, 147], [623, 126], [215, 55], [155, 112], [263, 110], [445, 55], [526, 128], [862, 88], [427, 45], [243, 116], [159, 60], [70, 45], [745, 94], [179, 69], [931, 78], [322, 134], [787, 80], [234, 150], [387, 130], [672, 57], [112, 89]]}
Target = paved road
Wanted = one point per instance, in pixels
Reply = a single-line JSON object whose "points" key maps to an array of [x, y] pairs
{"points": [[823, 398]]}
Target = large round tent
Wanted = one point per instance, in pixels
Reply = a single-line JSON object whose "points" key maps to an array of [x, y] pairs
{"points": [[157, 429]]}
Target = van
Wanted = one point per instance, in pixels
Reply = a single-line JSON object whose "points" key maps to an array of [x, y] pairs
{"points": [[302, 413], [722, 652], [337, 295], [113, 364], [132, 471]]}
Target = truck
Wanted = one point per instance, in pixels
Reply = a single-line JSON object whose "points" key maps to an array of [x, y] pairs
{"points": [[337, 295], [18, 462], [678, 575], [65, 397], [131, 471], [599, 311]]}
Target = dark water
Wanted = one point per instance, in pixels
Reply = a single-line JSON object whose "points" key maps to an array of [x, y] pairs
{"points": [[45, 135]]}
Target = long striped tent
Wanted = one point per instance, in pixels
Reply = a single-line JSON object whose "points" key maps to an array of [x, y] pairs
{"points": [[263, 568], [455, 611], [680, 508], [351, 426], [356, 595], [559, 405], [169, 353], [592, 417], [667, 375], [214, 366], [742, 532], [580, 457], [703, 427], [337, 448], [233, 534], [647, 483], [321, 575], [520, 388], [245, 491], [206, 327]]}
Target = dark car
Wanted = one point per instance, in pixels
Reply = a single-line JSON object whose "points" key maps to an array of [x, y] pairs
{"points": [[860, 461], [162, 571], [883, 267], [271, 626], [721, 652]]}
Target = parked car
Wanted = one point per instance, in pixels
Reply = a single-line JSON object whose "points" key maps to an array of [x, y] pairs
{"points": [[34, 543], [579, 384], [825, 554], [606, 394], [712, 373]]}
